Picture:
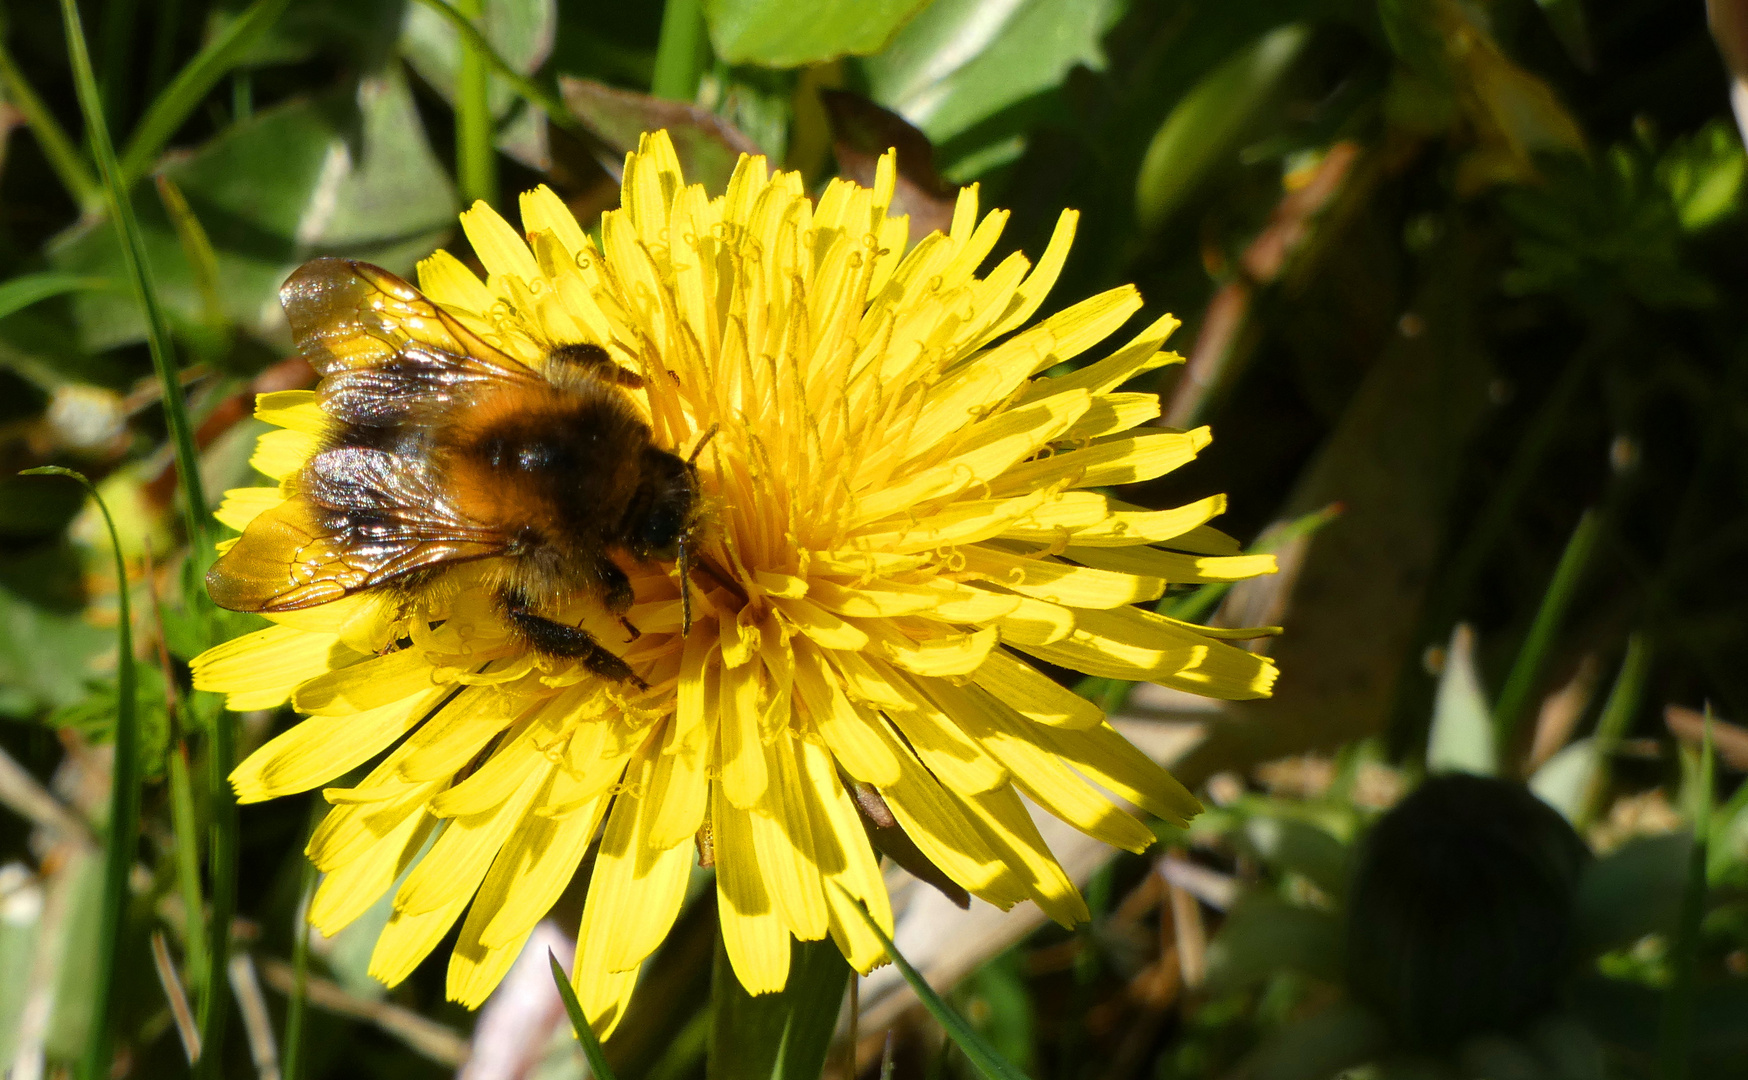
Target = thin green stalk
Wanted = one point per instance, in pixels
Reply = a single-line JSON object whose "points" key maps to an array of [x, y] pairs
{"points": [[1675, 1034], [63, 157], [139, 275], [598, 1067], [121, 838], [187, 832], [20, 292], [170, 109], [1527, 669], [545, 100], [1617, 714], [476, 155], [292, 1054], [682, 51], [222, 872], [981, 1054]]}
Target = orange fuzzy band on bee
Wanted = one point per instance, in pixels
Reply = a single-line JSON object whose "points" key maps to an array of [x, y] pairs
{"points": [[442, 450]]}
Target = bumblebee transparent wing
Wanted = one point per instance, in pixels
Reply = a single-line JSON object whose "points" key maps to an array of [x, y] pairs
{"points": [[387, 355], [362, 518]]}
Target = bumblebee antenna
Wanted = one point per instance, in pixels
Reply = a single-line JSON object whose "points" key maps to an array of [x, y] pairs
{"points": [[702, 443]]}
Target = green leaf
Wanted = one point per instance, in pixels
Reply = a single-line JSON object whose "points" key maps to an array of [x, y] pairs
{"points": [[1264, 934], [781, 1036], [780, 33], [46, 658], [1633, 891], [707, 145], [598, 1067], [1704, 175], [95, 717], [1462, 738], [964, 1036], [172, 108], [121, 836], [1204, 129], [961, 61], [20, 292], [348, 174]]}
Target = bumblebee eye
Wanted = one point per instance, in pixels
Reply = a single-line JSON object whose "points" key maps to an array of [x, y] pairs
{"points": [[662, 528]]}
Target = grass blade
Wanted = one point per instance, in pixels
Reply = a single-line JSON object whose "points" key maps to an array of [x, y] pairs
{"points": [[598, 1067], [27, 289], [681, 51], [122, 834], [183, 827], [1527, 668], [133, 254], [476, 158], [1617, 715], [984, 1056], [475, 43], [170, 109], [1675, 1033], [300, 974], [63, 156]]}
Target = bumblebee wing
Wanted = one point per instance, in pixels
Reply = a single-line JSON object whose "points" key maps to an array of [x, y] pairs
{"points": [[363, 518], [387, 355]]}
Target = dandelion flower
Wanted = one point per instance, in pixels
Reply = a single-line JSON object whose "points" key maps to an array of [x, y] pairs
{"points": [[900, 512]]}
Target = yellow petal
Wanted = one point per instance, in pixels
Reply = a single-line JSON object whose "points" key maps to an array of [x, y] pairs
{"points": [[635, 890], [367, 684], [1138, 356], [445, 279], [300, 410], [1003, 820], [1037, 771], [742, 756], [783, 838], [456, 863], [281, 453], [1115, 764], [754, 934], [243, 505], [1177, 567], [1126, 459], [500, 250], [847, 728], [348, 891], [315, 751], [1059, 582], [259, 670], [1034, 695], [533, 869]]}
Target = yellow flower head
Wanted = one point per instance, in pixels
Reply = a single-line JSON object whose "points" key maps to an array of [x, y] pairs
{"points": [[897, 507]]}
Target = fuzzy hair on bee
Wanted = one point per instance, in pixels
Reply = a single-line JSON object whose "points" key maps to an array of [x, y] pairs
{"points": [[441, 450]]}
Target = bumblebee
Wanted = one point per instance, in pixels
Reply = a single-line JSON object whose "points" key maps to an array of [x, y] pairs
{"points": [[442, 450]]}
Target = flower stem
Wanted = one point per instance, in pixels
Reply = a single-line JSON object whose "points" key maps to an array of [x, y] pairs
{"points": [[476, 158], [681, 52]]}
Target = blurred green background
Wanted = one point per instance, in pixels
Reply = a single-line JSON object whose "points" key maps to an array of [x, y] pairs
{"points": [[1463, 297]]}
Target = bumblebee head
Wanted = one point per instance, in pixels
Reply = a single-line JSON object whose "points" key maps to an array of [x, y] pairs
{"points": [[667, 507]]}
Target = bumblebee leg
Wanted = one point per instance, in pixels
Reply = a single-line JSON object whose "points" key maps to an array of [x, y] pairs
{"points": [[556, 639], [616, 593]]}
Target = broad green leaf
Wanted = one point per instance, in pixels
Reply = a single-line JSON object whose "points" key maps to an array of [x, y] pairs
{"points": [[781, 1036], [1462, 735], [21, 912], [1205, 127], [1633, 891], [1263, 935], [961, 61], [780, 33], [349, 175], [521, 33], [46, 658], [172, 107]]}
